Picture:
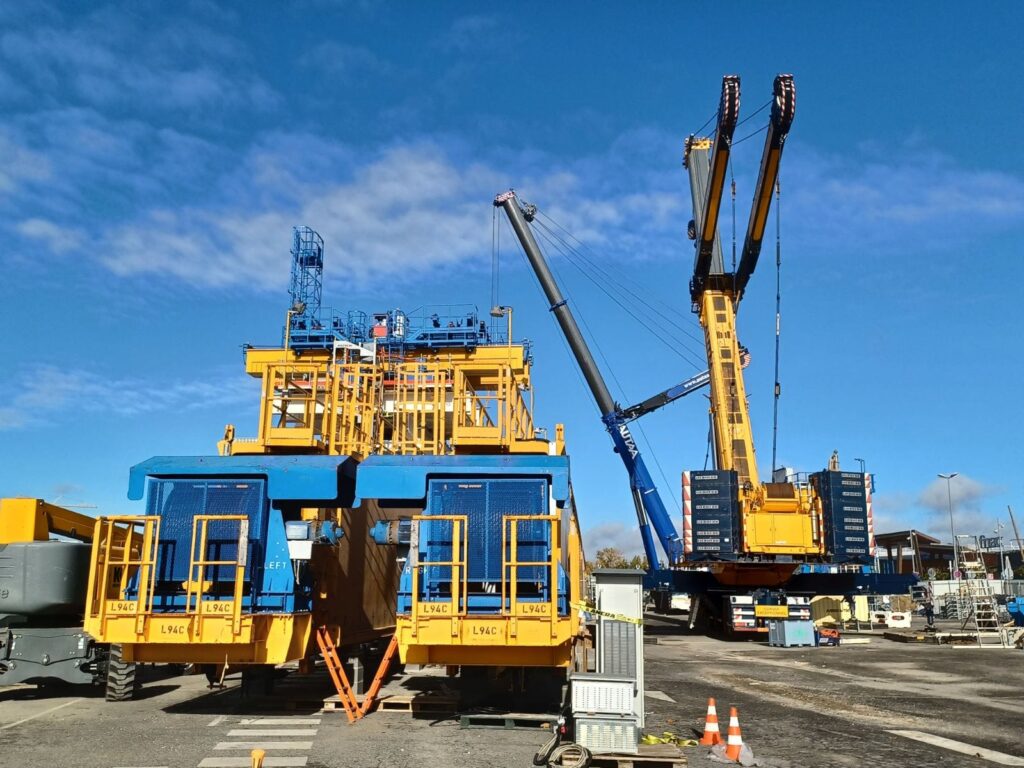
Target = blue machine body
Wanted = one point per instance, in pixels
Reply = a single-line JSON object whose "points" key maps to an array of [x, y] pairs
{"points": [[1015, 607], [485, 489], [267, 490]]}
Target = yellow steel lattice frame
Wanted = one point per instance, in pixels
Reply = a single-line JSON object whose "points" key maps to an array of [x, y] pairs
{"points": [[123, 547], [510, 603], [455, 606], [294, 404], [439, 403], [734, 438], [197, 586], [355, 402], [420, 409]]}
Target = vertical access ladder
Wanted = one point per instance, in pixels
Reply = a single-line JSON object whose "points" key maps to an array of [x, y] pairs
{"points": [[976, 603]]}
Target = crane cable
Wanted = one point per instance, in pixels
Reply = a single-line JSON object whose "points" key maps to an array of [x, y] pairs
{"points": [[552, 240], [778, 316], [622, 393], [584, 387], [607, 365], [495, 248], [616, 279]]}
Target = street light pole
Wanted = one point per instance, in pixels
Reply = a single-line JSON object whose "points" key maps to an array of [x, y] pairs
{"points": [[952, 529]]}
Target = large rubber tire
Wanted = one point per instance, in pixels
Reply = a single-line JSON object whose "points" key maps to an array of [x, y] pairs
{"points": [[121, 683]]}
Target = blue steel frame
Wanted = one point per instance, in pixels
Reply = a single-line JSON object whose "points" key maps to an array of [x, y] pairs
{"points": [[180, 487], [478, 483]]}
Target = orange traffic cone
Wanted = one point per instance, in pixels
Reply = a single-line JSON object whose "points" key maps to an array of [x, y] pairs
{"points": [[711, 735], [733, 739]]}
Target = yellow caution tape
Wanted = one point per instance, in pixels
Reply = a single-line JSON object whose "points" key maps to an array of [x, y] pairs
{"points": [[668, 738], [606, 614]]}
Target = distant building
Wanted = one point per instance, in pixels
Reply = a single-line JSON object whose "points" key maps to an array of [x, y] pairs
{"points": [[915, 552]]}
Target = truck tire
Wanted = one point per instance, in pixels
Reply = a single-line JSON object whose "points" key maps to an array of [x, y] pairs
{"points": [[121, 684]]}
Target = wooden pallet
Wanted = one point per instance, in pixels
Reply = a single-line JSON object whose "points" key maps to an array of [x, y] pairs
{"points": [[420, 703], [648, 756], [507, 720]]}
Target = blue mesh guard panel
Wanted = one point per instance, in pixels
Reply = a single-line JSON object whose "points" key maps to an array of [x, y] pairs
{"points": [[485, 503], [178, 501]]}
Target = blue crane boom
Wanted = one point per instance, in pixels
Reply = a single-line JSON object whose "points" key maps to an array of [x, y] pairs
{"points": [[672, 394], [650, 509]]}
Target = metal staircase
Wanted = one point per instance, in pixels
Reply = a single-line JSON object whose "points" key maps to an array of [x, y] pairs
{"points": [[975, 602]]}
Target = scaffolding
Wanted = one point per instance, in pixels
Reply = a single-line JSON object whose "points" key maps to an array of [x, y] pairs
{"points": [[436, 402]]}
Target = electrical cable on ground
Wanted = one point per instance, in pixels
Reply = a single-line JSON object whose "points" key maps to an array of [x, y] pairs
{"points": [[570, 756]]}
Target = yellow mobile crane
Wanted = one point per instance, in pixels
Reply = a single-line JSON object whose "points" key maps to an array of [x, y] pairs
{"points": [[777, 518], [744, 541], [754, 534]]}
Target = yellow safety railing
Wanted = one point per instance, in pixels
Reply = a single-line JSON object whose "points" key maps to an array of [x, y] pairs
{"points": [[124, 548], [459, 552], [197, 585], [510, 603], [294, 404]]}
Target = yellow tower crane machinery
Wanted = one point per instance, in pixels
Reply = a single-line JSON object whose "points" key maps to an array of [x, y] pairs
{"points": [[265, 552]]}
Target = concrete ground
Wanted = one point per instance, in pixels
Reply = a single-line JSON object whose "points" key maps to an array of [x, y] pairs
{"points": [[798, 707]]}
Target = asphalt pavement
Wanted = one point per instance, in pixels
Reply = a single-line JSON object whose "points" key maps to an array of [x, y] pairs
{"points": [[877, 703]]}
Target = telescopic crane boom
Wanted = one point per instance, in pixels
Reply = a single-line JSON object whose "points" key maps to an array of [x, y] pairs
{"points": [[650, 509], [709, 182], [777, 519], [783, 110]]}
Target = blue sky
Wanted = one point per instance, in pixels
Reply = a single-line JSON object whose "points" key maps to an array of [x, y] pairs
{"points": [[154, 157]]}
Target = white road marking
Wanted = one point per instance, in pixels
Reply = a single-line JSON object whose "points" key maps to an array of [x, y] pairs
{"points": [[272, 732], [660, 695], [280, 721], [217, 720], [246, 762], [39, 714], [1000, 758], [264, 745]]}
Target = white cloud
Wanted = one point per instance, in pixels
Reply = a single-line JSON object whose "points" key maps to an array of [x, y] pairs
{"points": [[108, 58], [967, 497], [409, 210], [473, 33], [340, 60], [43, 392], [57, 238], [622, 537], [909, 201], [892, 512], [21, 164]]}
